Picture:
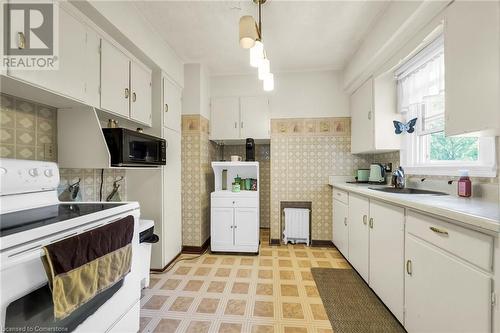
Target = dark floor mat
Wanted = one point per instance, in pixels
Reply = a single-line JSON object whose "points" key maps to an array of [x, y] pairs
{"points": [[351, 305]]}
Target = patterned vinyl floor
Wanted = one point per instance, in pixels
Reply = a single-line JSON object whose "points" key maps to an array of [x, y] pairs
{"points": [[271, 292]]}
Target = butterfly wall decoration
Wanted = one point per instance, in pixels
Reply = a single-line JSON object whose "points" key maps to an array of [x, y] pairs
{"points": [[400, 127]]}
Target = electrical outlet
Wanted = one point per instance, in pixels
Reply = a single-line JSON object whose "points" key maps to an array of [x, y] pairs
{"points": [[48, 151]]}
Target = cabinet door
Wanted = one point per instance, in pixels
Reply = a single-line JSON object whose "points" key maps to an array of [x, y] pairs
{"points": [[358, 234], [246, 232], [340, 227], [225, 118], [254, 119], [93, 68], [362, 132], [472, 53], [115, 90], [172, 105], [442, 293], [222, 229], [140, 99], [69, 78], [172, 196], [387, 255]]}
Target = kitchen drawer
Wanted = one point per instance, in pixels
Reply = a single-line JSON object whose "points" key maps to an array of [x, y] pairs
{"points": [[341, 196], [472, 246], [246, 202]]}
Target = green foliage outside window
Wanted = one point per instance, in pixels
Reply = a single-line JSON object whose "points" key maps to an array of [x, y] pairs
{"points": [[444, 148]]}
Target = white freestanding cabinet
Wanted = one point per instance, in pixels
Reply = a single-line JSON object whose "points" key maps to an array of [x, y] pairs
{"points": [[472, 62], [237, 118], [386, 255], [373, 108], [171, 105], [359, 234], [340, 230], [234, 218]]}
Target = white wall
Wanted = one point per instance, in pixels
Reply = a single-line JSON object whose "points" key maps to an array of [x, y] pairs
{"points": [[295, 95], [196, 93]]}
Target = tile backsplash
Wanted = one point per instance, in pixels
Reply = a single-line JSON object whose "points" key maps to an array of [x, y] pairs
{"points": [[28, 130]]}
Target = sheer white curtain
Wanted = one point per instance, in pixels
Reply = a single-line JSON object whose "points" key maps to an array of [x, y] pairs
{"points": [[421, 78]]}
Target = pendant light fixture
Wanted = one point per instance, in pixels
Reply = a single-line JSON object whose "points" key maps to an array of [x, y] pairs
{"points": [[251, 38]]}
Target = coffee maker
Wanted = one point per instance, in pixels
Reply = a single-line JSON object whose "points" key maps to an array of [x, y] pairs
{"points": [[250, 149]]}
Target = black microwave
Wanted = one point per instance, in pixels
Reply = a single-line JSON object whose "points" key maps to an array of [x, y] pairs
{"points": [[133, 149]]}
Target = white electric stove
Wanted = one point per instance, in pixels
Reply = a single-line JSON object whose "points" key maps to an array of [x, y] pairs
{"points": [[31, 217]]}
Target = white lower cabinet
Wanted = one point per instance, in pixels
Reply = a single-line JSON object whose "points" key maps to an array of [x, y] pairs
{"points": [[340, 230], [433, 275], [359, 234], [386, 254], [442, 293], [234, 224]]}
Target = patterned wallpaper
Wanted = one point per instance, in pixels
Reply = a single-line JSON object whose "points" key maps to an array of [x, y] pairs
{"points": [[197, 179], [263, 156], [29, 129], [304, 153]]}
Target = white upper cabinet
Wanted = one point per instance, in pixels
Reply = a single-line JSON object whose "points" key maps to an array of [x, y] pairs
{"points": [[125, 85], [115, 90], [172, 105], [373, 108], [254, 117], [225, 118], [472, 63], [140, 89], [238, 118], [69, 78]]}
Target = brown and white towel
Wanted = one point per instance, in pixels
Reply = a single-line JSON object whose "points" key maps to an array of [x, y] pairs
{"points": [[80, 267]]}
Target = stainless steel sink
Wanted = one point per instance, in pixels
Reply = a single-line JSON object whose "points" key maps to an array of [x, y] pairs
{"points": [[406, 190]]}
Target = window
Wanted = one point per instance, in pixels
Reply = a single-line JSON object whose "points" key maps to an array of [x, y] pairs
{"points": [[421, 92]]}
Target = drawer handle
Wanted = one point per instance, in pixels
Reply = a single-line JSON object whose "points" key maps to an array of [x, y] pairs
{"points": [[345, 221], [166, 107], [409, 268], [126, 92], [439, 231], [371, 222], [134, 97], [364, 219]]}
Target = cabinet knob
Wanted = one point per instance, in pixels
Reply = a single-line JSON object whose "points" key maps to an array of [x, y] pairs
{"points": [[134, 97], [235, 124], [345, 221], [371, 222], [369, 115], [166, 107], [409, 268], [233, 202], [364, 219], [126, 93]]}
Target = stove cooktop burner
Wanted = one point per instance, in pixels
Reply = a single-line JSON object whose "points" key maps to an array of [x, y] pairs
{"points": [[12, 223]]}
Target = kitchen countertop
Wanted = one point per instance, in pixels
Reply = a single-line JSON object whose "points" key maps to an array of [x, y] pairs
{"points": [[478, 214]]}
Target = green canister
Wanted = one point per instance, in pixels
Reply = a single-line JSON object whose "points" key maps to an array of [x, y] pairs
{"points": [[248, 184], [236, 187]]}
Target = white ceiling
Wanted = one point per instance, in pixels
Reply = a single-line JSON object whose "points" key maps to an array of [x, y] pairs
{"points": [[298, 36]]}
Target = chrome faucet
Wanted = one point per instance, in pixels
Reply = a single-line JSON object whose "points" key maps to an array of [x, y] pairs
{"points": [[398, 178]]}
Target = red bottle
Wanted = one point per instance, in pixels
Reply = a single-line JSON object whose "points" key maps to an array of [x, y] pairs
{"points": [[464, 184]]}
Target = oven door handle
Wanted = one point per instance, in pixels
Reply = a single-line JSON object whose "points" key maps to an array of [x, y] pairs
{"points": [[22, 257]]}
